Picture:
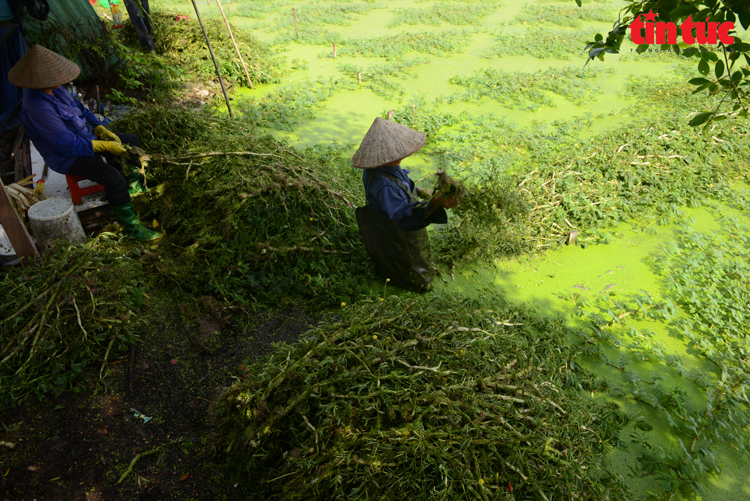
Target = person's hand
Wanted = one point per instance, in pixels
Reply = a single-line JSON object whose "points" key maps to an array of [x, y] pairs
{"points": [[439, 201], [108, 147], [423, 194], [103, 133]]}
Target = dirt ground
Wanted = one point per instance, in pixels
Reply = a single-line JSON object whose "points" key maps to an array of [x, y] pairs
{"points": [[77, 446]]}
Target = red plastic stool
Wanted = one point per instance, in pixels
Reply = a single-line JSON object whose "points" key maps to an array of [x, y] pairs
{"points": [[76, 192]]}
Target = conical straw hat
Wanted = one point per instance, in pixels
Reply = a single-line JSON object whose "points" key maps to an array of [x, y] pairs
{"points": [[40, 68], [386, 142]]}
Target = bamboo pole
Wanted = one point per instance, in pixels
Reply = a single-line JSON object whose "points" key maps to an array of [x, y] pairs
{"points": [[211, 51], [218, 2]]}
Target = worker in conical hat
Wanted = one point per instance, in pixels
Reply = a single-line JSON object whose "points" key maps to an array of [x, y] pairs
{"points": [[394, 220], [69, 137]]}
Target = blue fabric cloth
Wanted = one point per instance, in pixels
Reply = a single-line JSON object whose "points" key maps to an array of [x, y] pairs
{"points": [[12, 49], [390, 201], [59, 126]]}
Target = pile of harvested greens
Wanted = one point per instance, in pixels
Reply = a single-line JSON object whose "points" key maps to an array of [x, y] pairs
{"points": [[74, 309], [247, 218], [419, 397]]}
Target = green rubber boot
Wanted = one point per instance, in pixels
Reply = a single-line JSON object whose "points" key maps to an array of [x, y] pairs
{"points": [[133, 227], [133, 178]]}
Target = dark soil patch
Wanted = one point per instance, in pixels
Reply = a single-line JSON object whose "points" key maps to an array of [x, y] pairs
{"points": [[77, 445]]}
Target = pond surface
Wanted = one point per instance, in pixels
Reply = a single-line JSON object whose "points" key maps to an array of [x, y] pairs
{"points": [[508, 38]]}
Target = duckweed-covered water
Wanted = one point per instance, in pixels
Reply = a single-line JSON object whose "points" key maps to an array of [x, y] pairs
{"points": [[666, 342]]}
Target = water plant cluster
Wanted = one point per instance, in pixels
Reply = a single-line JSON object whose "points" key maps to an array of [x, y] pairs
{"points": [[441, 43], [528, 90], [541, 43], [74, 310], [421, 397], [380, 77], [698, 393], [466, 14], [248, 219], [569, 15]]}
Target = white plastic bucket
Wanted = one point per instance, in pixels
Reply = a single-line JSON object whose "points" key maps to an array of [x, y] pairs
{"points": [[55, 218]]}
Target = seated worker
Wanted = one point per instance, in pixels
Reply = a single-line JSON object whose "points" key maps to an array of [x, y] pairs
{"points": [[393, 223], [69, 137]]}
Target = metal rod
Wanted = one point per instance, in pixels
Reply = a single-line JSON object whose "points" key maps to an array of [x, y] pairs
{"points": [[211, 51], [218, 2]]}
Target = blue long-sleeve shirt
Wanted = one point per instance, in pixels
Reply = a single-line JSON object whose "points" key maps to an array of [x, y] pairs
{"points": [[390, 201], [59, 126]]}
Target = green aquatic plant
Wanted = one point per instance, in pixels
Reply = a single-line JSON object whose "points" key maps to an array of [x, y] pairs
{"points": [[528, 90], [289, 104], [248, 219], [705, 305], [381, 78], [467, 14], [453, 41], [540, 43], [182, 44], [570, 16], [75, 308], [424, 397]]}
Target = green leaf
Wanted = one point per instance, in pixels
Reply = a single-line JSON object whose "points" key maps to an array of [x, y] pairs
{"points": [[719, 69], [737, 76], [700, 118], [698, 81], [703, 67]]}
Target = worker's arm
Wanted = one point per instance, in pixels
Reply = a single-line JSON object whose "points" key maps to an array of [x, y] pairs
{"points": [[408, 216], [44, 121]]}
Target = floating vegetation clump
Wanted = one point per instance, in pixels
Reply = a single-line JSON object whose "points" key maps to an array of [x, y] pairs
{"points": [[76, 307], [312, 22], [569, 15], [699, 390], [288, 105], [443, 13], [421, 397], [529, 90], [380, 78], [541, 43], [247, 218], [255, 9], [441, 43], [182, 44]]}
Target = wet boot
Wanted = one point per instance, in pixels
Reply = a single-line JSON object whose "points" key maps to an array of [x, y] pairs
{"points": [[133, 178], [133, 227]]}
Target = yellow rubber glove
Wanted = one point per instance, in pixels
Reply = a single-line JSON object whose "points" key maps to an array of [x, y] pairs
{"points": [[108, 147], [102, 133]]}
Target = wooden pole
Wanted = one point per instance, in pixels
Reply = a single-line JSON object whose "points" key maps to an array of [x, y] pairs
{"points": [[294, 13], [16, 231], [211, 51], [218, 2], [334, 50]]}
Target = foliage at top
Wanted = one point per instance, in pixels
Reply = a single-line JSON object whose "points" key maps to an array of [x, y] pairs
{"points": [[421, 397], [720, 65]]}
